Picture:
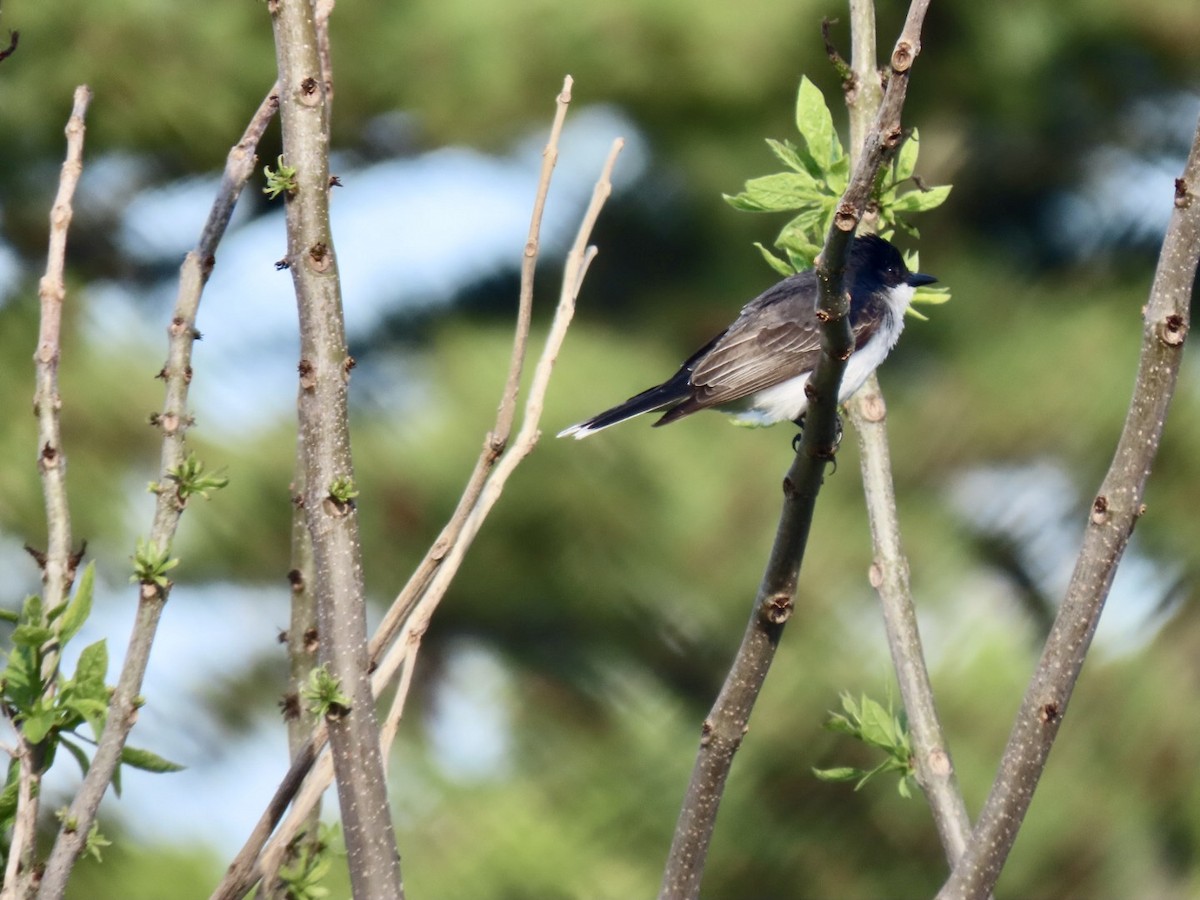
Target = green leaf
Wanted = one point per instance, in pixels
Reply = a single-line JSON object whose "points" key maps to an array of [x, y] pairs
{"points": [[920, 201], [10, 615], [783, 191], [148, 761], [906, 159], [774, 261], [8, 796], [878, 724], [92, 667], [22, 678], [76, 751], [80, 606], [933, 296], [31, 610], [37, 724], [842, 773], [32, 636], [786, 153], [815, 124]]}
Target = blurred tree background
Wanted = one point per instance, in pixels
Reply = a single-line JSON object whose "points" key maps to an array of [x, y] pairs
{"points": [[563, 682]]}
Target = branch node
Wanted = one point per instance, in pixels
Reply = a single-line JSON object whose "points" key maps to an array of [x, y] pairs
{"points": [[1173, 330], [308, 375], [846, 217], [904, 55], [777, 608], [1183, 196]]}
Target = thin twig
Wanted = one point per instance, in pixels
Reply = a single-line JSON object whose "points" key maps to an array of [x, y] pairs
{"points": [[173, 421], [726, 724], [58, 564], [323, 411], [1117, 507], [496, 440], [889, 576], [889, 571], [401, 655]]}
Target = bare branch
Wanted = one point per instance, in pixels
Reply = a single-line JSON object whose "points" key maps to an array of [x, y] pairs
{"points": [[889, 576], [889, 571], [58, 563], [496, 440], [447, 557], [173, 422], [328, 464], [726, 724], [1117, 507]]}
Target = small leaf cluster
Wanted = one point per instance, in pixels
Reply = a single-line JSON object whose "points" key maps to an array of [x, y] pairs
{"points": [[817, 174], [876, 726], [311, 860], [281, 180], [343, 489], [323, 692], [47, 708], [191, 480], [151, 565]]}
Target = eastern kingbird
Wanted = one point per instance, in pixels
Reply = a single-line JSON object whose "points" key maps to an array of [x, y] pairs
{"points": [[758, 367]]}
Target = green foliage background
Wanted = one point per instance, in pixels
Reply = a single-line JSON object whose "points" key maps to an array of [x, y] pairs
{"points": [[613, 581]]}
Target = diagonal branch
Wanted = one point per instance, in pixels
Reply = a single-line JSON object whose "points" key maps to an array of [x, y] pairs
{"points": [[728, 721], [1117, 507], [310, 774], [173, 422]]}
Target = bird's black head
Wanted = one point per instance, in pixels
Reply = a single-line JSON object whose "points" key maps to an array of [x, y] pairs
{"points": [[875, 264]]}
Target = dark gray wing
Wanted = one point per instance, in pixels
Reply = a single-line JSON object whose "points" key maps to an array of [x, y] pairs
{"points": [[776, 338]]}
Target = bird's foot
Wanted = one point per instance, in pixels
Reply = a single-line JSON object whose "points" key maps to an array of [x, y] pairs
{"points": [[829, 454]]}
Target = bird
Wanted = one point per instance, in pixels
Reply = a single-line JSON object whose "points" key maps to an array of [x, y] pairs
{"points": [[758, 367]]}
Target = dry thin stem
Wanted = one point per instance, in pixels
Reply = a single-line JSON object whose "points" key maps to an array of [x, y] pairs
{"points": [[496, 440], [57, 563], [403, 652], [328, 464], [401, 655], [889, 572], [173, 422], [1117, 507], [889, 575], [726, 724]]}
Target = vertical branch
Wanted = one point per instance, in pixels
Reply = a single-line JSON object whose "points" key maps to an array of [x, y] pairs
{"points": [[328, 465], [1117, 507], [57, 563], [173, 422], [301, 638], [889, 571], [727, 723]]}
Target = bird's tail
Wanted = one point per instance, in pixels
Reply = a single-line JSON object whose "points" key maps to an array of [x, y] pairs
{"points": [[647, 401]]}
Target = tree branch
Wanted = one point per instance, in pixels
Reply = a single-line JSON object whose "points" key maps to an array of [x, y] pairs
{"points": [[728, 721], [58, 564], [173, 421], [328, 465], [1117, 507], [433, 577], [889, 571]]}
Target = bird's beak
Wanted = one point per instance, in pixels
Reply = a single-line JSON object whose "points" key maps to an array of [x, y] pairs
{"points": [[916, 279]]}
